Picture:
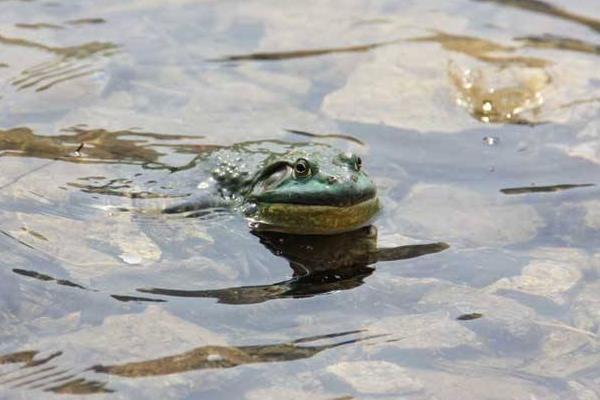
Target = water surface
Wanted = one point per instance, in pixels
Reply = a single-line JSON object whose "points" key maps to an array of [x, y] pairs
{"points": [[478, 120]]}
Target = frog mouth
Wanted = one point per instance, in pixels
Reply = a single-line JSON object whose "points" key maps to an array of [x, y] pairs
{"points": [[313, 219]]}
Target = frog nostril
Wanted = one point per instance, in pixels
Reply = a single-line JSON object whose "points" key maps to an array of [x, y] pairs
{"points": [[331, 180], [354, 178]]}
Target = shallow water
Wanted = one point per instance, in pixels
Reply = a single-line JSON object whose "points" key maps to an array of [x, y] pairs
{"points": [[478, 120]]}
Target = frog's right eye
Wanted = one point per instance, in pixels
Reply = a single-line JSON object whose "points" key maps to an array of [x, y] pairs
{"points": [[358, 163], [301, 168]]}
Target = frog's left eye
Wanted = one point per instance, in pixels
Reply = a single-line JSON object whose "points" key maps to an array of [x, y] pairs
{"points": [[301, 168]]}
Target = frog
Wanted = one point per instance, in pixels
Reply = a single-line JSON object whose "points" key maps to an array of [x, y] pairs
{"points": [[296, 188]]}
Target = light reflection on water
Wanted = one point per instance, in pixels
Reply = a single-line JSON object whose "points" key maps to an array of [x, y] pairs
{"points": [[109, 111]]}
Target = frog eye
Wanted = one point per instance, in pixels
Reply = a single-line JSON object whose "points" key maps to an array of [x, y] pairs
{"points": [[358, 163], [301, 168]]}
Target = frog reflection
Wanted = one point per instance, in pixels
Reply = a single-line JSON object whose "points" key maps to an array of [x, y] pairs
{"points": [[320, 264]]}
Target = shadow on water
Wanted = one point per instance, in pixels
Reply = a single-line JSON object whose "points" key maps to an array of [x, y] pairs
{"points": [[34, 374], [320, 264]]}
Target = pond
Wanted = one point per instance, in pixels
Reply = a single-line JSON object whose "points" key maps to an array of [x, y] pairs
{"points": [[477, 120]]}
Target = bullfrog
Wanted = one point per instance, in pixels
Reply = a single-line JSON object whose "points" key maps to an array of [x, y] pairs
{"points": [[298, 188]]}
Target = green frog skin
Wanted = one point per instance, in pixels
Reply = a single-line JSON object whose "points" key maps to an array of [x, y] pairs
{"points": [[293, 188]]}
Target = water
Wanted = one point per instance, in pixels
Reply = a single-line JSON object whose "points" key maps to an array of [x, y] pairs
{"points": [[101, 294]]}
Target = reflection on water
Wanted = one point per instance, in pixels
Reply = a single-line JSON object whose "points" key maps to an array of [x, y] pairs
{"points": [[327, 135], [544, 189], [78, 52], [321, 264], [226, 357], [96, 145], [86, 21], [68, 64], [45, 278], [39, 25], [34, 375], [550, 41], [286, 55], [482, 49], [543, 7], [510, 96]]}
